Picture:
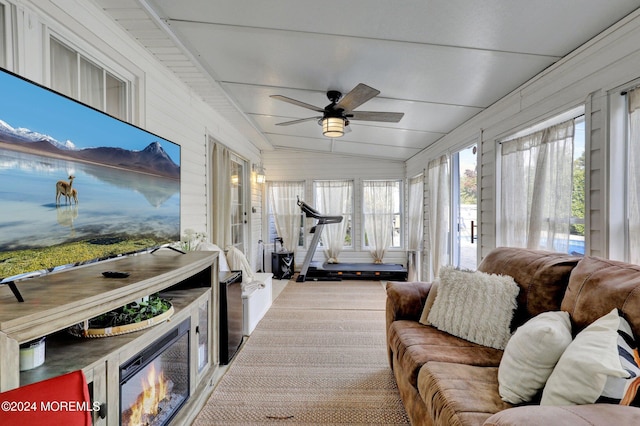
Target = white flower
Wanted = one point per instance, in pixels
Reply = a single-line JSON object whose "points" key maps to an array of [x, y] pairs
{"points": [[190, 239]]}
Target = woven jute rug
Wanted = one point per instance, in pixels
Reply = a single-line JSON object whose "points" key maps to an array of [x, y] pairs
{"points": [[317, 357]]}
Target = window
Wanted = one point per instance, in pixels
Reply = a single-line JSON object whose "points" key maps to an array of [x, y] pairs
{"points": [[285, 196], [623, 175], [3, 37], [464, 207], [332, 198], [632, 176], [8, 32], [238, 204], [541, 198], [77, 77], [381, 203]]}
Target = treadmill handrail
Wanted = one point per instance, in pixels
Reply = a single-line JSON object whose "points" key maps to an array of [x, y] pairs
{"points": [[322, 219]]}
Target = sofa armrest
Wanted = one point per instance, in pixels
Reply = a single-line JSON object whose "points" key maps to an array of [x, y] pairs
{"points": [[590, 414], [405, 300]]}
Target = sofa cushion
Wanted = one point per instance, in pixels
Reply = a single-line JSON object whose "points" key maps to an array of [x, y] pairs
{"points": [[414, 344], [542, 275], [428, 304], [475, 306], [531, 355], [460, 394], [581, 373], [574, 415], [597, 286]]}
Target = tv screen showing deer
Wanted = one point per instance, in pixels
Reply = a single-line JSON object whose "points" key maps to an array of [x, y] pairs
{"points": [[78, 185]]}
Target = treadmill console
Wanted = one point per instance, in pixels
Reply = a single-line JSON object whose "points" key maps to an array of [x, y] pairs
{"points": [[311, 212]]}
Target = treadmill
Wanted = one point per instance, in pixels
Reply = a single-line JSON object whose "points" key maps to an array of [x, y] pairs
{"points": [[337, 271]]}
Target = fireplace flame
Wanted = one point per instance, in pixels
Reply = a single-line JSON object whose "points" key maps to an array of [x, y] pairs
{"points": [[155, 390]]}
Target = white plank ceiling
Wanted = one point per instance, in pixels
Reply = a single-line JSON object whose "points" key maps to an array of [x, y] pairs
{"points": [[438, 61]]}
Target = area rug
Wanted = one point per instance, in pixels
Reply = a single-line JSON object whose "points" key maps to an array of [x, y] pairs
{"points": [[317, 357]]}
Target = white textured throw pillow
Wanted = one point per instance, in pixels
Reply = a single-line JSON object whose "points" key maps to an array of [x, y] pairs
{"points": [[531, 354], [475, 306], [581, 373]]}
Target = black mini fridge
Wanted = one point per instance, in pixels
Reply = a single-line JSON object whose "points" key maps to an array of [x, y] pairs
{"points": [[230, 314]]}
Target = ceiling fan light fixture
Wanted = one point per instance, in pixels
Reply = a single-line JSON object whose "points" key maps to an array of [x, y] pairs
{"points": [[333, 127]]}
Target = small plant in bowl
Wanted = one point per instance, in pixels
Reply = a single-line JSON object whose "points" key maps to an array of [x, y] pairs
{"points": [[131, 317]]}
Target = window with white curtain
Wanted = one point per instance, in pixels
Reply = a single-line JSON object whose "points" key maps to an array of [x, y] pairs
{"points": [[284, 214], [333, 198], [76, 76], [381, 209], [633, 176], [540, 203]]}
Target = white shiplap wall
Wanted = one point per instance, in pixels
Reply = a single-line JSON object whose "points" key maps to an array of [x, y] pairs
{"points": [[582, 78]]}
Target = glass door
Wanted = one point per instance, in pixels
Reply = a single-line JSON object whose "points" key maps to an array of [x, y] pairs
{"points": [[464, 173], [238, 203]]}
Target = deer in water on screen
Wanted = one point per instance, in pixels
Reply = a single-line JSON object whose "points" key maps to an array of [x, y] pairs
{"points": [[63, 188]]}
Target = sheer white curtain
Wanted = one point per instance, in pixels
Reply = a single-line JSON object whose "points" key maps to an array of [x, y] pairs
{"points": [[91, 85], [415, 226], [333, 198], [536, 184], [115, 97], [221, 209], [633, 201], [379, 211], [439, 184], [64, 70], [283, 197]]}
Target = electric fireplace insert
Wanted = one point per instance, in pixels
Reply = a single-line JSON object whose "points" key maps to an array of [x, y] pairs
{"points": [[154, 384]]}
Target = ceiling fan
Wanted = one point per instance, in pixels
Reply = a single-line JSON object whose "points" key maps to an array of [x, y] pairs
{"points": [[337, 115]]}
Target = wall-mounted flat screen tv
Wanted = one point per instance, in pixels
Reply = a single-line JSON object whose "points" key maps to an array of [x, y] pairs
{"points": [[77, 185]]}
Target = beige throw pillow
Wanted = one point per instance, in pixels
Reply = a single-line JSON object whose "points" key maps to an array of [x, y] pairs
{"points": [[582, 371], [475, 306], [531, 354], [431, 297]]}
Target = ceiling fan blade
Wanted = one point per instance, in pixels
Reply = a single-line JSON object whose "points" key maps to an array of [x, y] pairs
{"points": [[302, 120], [359, 95], [389, 117], [298, 103]]}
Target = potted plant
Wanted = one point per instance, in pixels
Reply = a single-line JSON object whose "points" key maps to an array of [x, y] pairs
{"points": [[131, 317]]}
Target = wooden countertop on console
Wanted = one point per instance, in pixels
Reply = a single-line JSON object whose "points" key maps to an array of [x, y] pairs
{"points": [[58, 300]]}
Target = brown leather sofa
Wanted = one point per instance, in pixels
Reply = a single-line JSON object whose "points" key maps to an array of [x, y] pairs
{"points": [[445, 380]]}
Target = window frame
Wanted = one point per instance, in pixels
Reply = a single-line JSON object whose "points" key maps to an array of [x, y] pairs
{"points": [[78, 93]]}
